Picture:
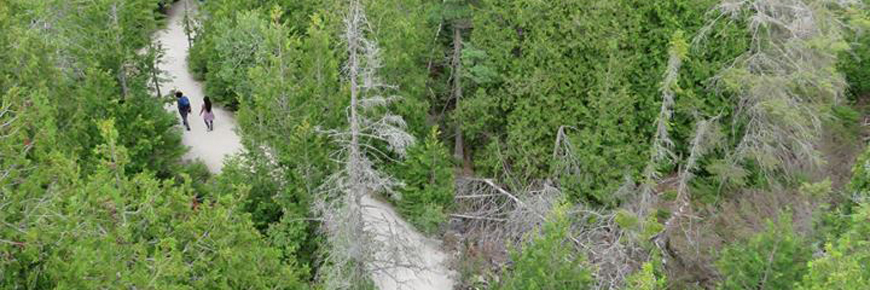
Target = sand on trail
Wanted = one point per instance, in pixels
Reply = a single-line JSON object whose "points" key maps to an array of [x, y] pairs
{"points": [[430, 271], [209, 147]]}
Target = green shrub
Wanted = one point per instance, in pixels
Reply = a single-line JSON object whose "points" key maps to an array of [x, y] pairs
{"points": [[428, 176], [855, 65], [774, 259], [549, 260], [646, 279], [110, 230], [844, 263], [198, 175]]}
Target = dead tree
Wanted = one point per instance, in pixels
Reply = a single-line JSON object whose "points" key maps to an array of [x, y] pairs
{"points": [[706, 137], [493, 218], [786, 79], [360, 247], [661, 150]]}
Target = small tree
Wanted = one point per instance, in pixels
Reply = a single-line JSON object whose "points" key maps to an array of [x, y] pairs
{"points": [[549, 260], [774, 259], [428, 190], [151, 61], [844, 263]]}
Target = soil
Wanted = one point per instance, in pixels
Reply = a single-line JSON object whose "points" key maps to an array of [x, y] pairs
{"points": [[209, 147]]}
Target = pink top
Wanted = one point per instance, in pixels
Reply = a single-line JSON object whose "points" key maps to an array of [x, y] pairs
{"points": [[209, 116]]}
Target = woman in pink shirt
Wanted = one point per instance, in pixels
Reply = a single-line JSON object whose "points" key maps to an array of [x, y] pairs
{"points": [[209, 115]]}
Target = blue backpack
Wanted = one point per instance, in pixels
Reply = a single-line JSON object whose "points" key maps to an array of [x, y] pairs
{"points": [[183, 102]]}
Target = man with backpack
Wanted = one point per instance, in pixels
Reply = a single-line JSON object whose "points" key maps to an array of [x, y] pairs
{"points": [[183, 108]]}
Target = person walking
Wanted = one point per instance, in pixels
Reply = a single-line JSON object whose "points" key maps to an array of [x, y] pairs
{"points": [[209, 115], [183, 108]]}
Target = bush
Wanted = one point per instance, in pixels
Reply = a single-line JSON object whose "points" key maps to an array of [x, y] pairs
{"points": [[855, 65], [844, 265], [110, 230], [646, 279], [254, 174], [549, 261], [428, 190], [847, 227], [773, 259]]}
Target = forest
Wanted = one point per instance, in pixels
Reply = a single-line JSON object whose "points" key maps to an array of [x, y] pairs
{"points": [[435, 144]]}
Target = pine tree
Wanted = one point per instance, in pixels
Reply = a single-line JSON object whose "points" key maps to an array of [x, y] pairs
{"points": [[548, 261], [428, 191]]}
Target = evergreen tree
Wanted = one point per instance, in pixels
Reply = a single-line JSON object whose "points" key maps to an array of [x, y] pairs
{"points": [[774, 259], [428, 191], [548, 261]]}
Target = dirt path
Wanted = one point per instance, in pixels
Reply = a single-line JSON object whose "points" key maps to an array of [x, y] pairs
{"points": [[429, 273], [210, 147]]}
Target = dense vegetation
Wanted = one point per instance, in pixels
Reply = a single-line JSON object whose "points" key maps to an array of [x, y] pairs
{"points": [[625, 144], [93, 191]]}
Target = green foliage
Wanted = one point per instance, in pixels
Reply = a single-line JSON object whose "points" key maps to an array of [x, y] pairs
{"points": [[549, 260], [646, 279], [234, 30], [601, 75], [860, 182], [847, 246], [234, 48], [844, 264], [428, 176], [278, 212], [262, 186], [855, 63], [294, 88], [774, 259], [817, 190], [90, 204], [88, 86], [405, 40], [109, 230], [836, 219]]}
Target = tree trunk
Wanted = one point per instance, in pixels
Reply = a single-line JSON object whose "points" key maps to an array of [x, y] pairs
{"points": [[122, 78], [355, 159], [155, 70], [186, 24], [154, 76], [122, 73], [459, 145]]}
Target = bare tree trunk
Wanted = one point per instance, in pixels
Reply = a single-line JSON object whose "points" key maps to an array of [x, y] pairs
{"points": [[156, 83], [458, 152], [122, 77], [187, 25], [122, 74], [355, 159], [155, 71], [365, 245]]}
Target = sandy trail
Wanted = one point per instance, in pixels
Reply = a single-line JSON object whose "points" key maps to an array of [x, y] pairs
{"points": [[430, 272], [210, 147]]}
